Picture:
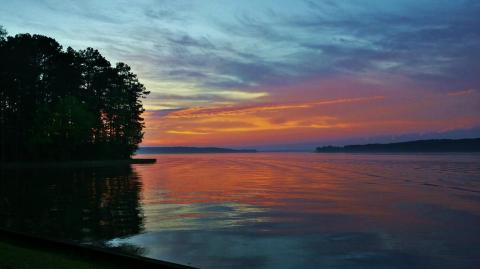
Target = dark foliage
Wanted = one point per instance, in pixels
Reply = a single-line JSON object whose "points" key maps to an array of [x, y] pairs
{"points": [[60, 104], [73, 203]]}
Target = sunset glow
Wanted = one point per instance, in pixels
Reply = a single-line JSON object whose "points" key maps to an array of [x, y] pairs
{"points": [[231, 73], [306, 119], [230, 134]]}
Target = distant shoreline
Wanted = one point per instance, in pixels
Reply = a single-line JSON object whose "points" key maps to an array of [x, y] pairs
{"points": [[418, 146], [84, 163], [190, 150]]}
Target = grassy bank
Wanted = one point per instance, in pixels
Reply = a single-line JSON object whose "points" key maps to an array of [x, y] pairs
{"points": [[19, 251], [20, 257]]}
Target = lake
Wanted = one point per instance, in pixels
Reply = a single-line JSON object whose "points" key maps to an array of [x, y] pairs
{"points": [[262, 210]]}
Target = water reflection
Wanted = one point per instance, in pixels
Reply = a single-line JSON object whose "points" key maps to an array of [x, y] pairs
{"points": [[261, 210], [312, 211], [83, 204]]}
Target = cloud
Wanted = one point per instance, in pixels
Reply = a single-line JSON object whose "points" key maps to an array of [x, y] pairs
{"points": [[462, 93], [276, 45], [185, 132], [248, 109], [165, 14], [160, 112], [237, 66], [423, 41], [257, 45], [263, 124], [201, 97], [240, 95]]}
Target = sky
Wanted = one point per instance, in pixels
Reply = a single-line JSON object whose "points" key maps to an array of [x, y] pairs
{"points": [[282, 74]]}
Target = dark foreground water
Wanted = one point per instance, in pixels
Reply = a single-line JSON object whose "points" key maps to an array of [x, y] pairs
{"points": [[279, 210]]}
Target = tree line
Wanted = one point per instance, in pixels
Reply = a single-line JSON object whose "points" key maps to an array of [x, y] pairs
{"points": [[65, 104]]}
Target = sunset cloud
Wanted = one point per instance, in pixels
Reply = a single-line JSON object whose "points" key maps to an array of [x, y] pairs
{"points": [[327, 119], [280, 71], [240, 95], [239, 110], [185, 132]]}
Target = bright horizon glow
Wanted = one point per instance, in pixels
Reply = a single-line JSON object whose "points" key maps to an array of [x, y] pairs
{"points": [[275, 73]]}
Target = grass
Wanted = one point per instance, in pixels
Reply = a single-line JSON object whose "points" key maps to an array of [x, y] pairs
{"points": [[19, 257]]}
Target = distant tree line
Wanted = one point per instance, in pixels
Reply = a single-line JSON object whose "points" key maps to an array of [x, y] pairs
{"points": [[429, 145], [58, 104]]}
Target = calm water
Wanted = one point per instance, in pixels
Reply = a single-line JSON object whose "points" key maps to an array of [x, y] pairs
{"points": [[279, 210]]}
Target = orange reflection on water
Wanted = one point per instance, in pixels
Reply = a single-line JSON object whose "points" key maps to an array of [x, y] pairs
{"points": [[312, 191]]}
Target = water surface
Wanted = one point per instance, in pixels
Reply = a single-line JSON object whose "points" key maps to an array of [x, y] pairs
{"points": [[263, 210]]}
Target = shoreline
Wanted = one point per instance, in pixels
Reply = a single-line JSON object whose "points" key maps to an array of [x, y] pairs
{"points": [[84, 163], [69, 251]]}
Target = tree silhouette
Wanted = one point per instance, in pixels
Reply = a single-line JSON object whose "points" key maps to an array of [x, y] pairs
{"points": [[60, 104], [3, 33], [99, 203]]}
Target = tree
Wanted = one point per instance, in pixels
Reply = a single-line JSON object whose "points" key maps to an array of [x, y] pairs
{"points": [[3, 33], [65, 104]]}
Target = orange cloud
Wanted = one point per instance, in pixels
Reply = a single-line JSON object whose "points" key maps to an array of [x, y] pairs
{"points": [[237, 110], [297, 114], [261, 124], [185, 132]]}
